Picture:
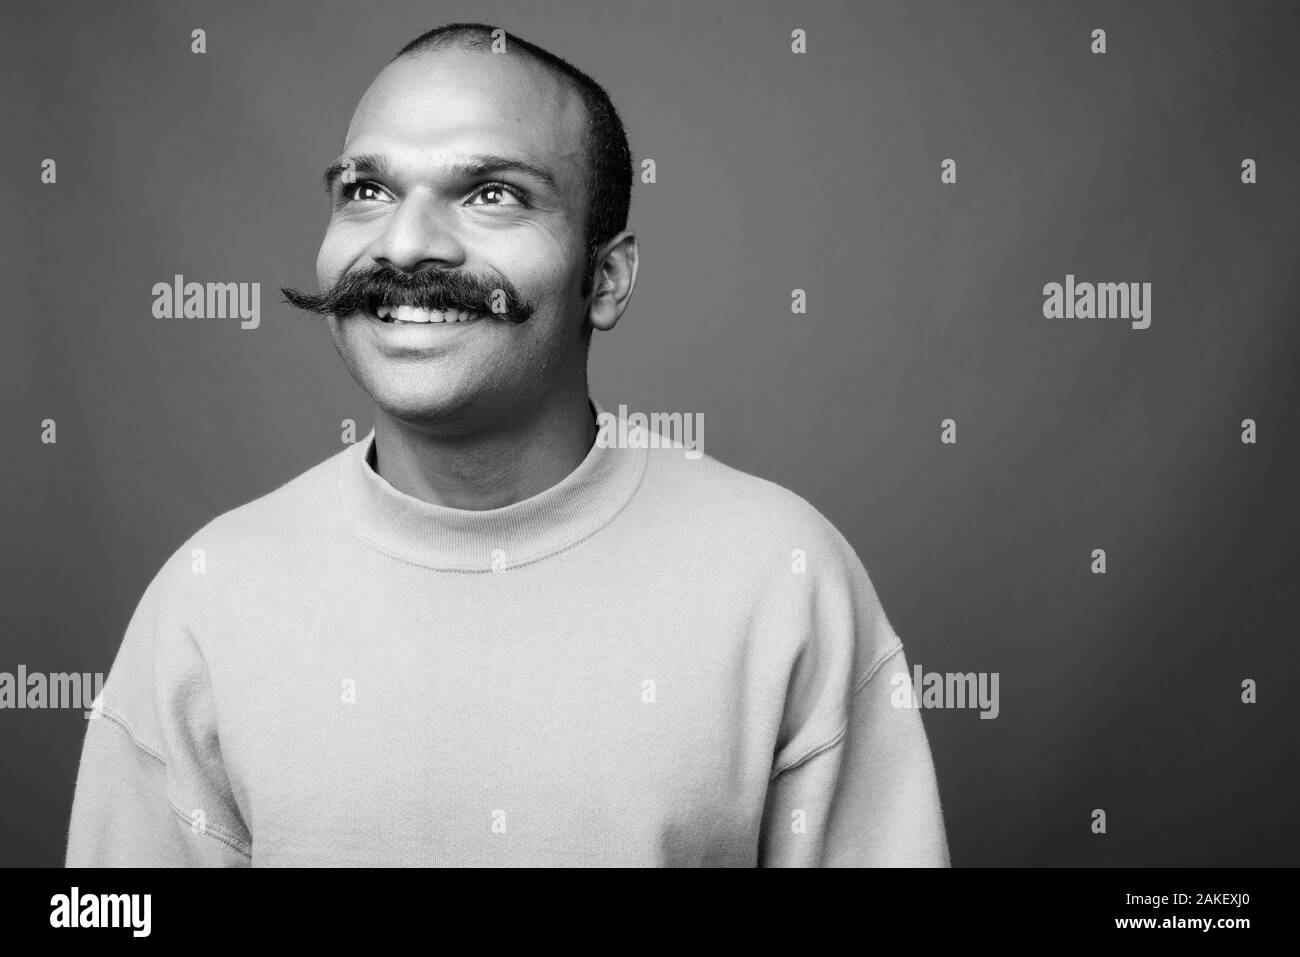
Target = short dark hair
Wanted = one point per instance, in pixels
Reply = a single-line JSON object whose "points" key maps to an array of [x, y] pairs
{"points": [[609, 160]]}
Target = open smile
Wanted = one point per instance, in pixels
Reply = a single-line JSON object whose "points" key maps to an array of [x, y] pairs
{"points": [[410, 315]]}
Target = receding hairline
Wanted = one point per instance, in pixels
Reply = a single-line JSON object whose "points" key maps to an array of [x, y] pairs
{"points": [[575, 97], [520, 54]]}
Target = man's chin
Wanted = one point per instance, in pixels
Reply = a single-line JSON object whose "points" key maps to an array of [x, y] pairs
{"points": [[422, 407], [437, 390]]}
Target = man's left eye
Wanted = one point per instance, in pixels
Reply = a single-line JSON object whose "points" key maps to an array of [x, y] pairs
{"points": [[500, 194]]}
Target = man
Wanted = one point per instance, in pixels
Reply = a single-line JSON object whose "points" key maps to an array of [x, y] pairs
{"points": [[479, 636]]}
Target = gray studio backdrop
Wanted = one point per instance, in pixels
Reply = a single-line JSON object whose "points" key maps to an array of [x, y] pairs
{"points": [[776, 171]]}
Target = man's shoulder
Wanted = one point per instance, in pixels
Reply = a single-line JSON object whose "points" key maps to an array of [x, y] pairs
{"points": [[292, 509], [220, 561], [300, 498], [722, 499]]}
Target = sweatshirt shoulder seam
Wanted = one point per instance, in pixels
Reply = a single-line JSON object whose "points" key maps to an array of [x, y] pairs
{"points": [[880, 663], [216, 833], [838, 736], [125, 725]]}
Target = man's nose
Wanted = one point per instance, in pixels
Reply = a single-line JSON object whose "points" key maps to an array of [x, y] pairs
{"points": [[419, 234]]}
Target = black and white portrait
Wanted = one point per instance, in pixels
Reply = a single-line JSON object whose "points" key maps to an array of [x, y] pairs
{"points": [[685, 435]]}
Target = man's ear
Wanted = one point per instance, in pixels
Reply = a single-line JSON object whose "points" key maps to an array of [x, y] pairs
{"points": [[613, 282]]}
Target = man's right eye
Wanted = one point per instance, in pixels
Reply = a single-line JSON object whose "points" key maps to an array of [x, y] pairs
{"points": [[362, 192]]}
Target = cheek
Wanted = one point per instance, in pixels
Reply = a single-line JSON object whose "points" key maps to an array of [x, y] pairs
{"points": [[554, 286], [330, 260]]}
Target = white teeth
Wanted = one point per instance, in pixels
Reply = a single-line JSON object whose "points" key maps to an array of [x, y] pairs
{"points": [[412, 314]]}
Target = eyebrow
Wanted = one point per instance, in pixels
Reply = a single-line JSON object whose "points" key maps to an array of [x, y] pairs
{"points": [[483, 164]]}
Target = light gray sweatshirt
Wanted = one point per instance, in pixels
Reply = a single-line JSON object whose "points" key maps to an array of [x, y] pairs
{"points": [[658, 661]]}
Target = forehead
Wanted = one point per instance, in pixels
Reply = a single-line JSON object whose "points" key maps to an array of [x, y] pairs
{"points": [[430, 106]]}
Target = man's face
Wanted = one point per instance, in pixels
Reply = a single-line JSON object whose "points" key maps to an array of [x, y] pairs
{"points": [[417, 204]]}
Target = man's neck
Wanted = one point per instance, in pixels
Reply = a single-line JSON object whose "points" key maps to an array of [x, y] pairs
{"points": [[488, 469]]}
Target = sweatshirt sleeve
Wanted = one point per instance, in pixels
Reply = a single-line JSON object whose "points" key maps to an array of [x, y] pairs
{"points": [[853, 783], [151, 788]]}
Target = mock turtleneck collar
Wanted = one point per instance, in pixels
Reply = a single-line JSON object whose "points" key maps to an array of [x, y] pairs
{"points": [[468, 540]]}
